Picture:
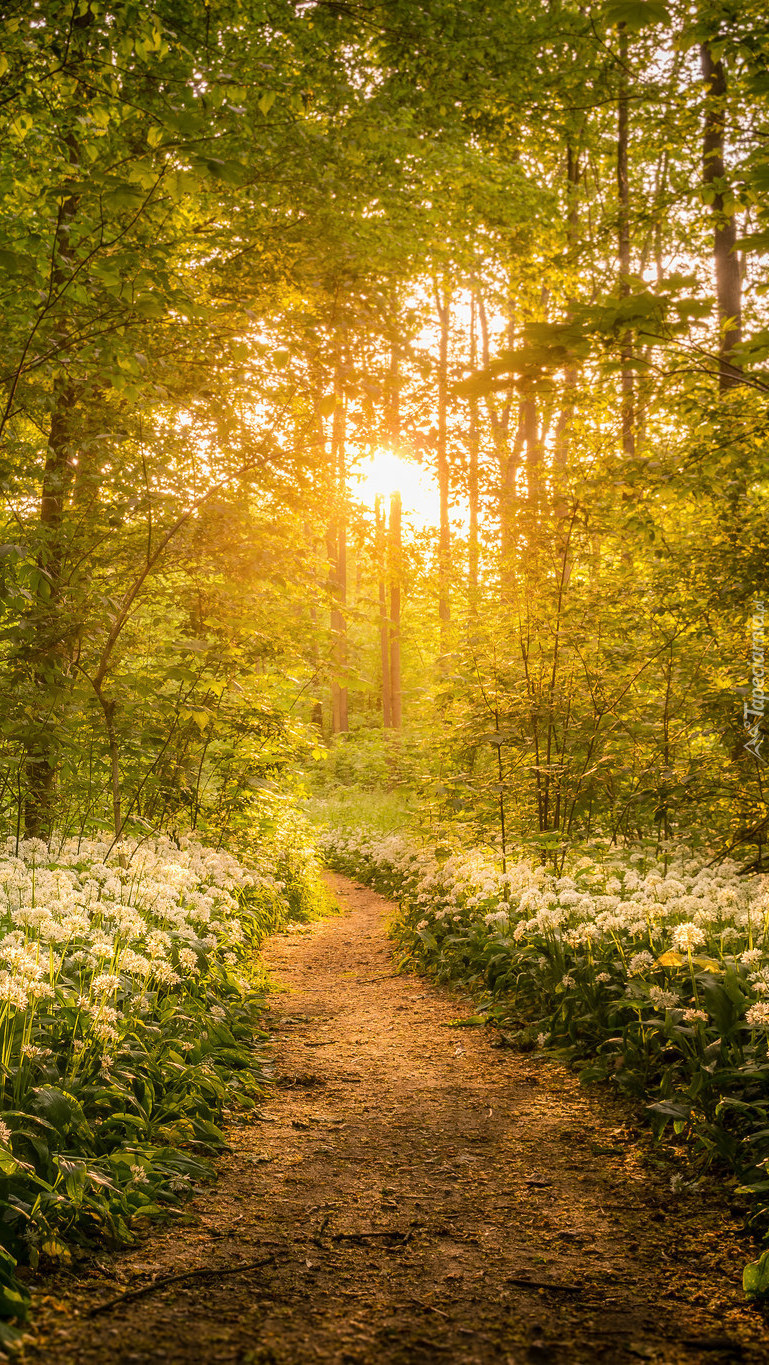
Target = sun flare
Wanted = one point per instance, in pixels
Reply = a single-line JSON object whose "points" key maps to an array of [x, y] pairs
{"points": [[384, 473]]}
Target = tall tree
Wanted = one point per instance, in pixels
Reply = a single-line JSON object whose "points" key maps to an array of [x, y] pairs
{"points": [[337, 548], [384, 624], [725, 258], [623, 237], [443, 293], [396, 579]]}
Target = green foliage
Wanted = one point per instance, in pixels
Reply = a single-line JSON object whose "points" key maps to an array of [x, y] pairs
{"points": [[205, 327], [353, 808], [129, 1025], [755, 1279]]}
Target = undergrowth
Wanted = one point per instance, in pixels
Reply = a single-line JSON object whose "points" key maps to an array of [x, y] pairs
{"points": [[130, 999]]}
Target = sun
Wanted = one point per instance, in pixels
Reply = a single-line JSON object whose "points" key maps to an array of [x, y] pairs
{"points": [[384, 472]]}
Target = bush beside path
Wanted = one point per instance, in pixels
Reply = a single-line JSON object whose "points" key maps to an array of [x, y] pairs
{"points": [[412, 1194]]}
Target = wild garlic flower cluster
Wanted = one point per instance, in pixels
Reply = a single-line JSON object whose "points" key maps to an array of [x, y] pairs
{"points": [[92, 937], [623, 923], [129, 995]]}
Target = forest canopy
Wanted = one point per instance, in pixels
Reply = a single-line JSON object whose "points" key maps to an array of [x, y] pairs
{"points": [[253, 253]]}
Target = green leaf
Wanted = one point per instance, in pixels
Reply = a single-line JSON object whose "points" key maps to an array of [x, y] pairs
{"points": [[231, 172], [14, 263], [149, 306], [14, 1302], [635, 15], [671, 1110], [755, 1277], [62, 1111]]}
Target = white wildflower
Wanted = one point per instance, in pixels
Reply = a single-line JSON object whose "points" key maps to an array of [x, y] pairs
{"points": [[751, 956], [687, 936], [639, 963], [105, 984], [496, 919], [13, 992], [189, 959], [40, 990], [662, 1000]]}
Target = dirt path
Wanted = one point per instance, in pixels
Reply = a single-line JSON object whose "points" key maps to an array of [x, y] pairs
{"points": [[418, 1196]]}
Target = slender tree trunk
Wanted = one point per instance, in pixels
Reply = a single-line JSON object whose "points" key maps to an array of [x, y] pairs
{"points": [[108, 707], [510, 458], [49, 673], [534, 453], [443, 304], [501, 785], [395, 558], [725, 257], [49, 670], [508, 461], [55, 484], [316, 713], [623, 243], [338, 558], [472, 473], [566, 415], [393, 391], [384, 625]]}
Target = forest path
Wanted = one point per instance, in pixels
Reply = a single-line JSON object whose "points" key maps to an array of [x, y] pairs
{"points": [[417, 1196]]}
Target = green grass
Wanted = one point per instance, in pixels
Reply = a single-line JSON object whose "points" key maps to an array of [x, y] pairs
{"points": [[384, 812]]}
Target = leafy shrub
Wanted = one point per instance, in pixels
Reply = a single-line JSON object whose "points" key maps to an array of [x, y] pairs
{"points": [[129, 1011]]}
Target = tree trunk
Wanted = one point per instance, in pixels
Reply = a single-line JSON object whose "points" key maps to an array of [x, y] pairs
{"points": [[472, 473], [384, 627], [534, 453], [395, 609], [566, 414], [338, 562], [725, 258], [443, 305], [393, 391], [49, 668], [623, 243], [57, 472], [508, 461]]}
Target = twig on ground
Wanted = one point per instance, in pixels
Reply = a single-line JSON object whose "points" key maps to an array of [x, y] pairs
{"points": [[396, 1238], [544, 1284], [201, 1272]]}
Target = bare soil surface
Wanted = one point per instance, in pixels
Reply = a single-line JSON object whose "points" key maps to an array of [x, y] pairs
{"points": [[412, 1194]]}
